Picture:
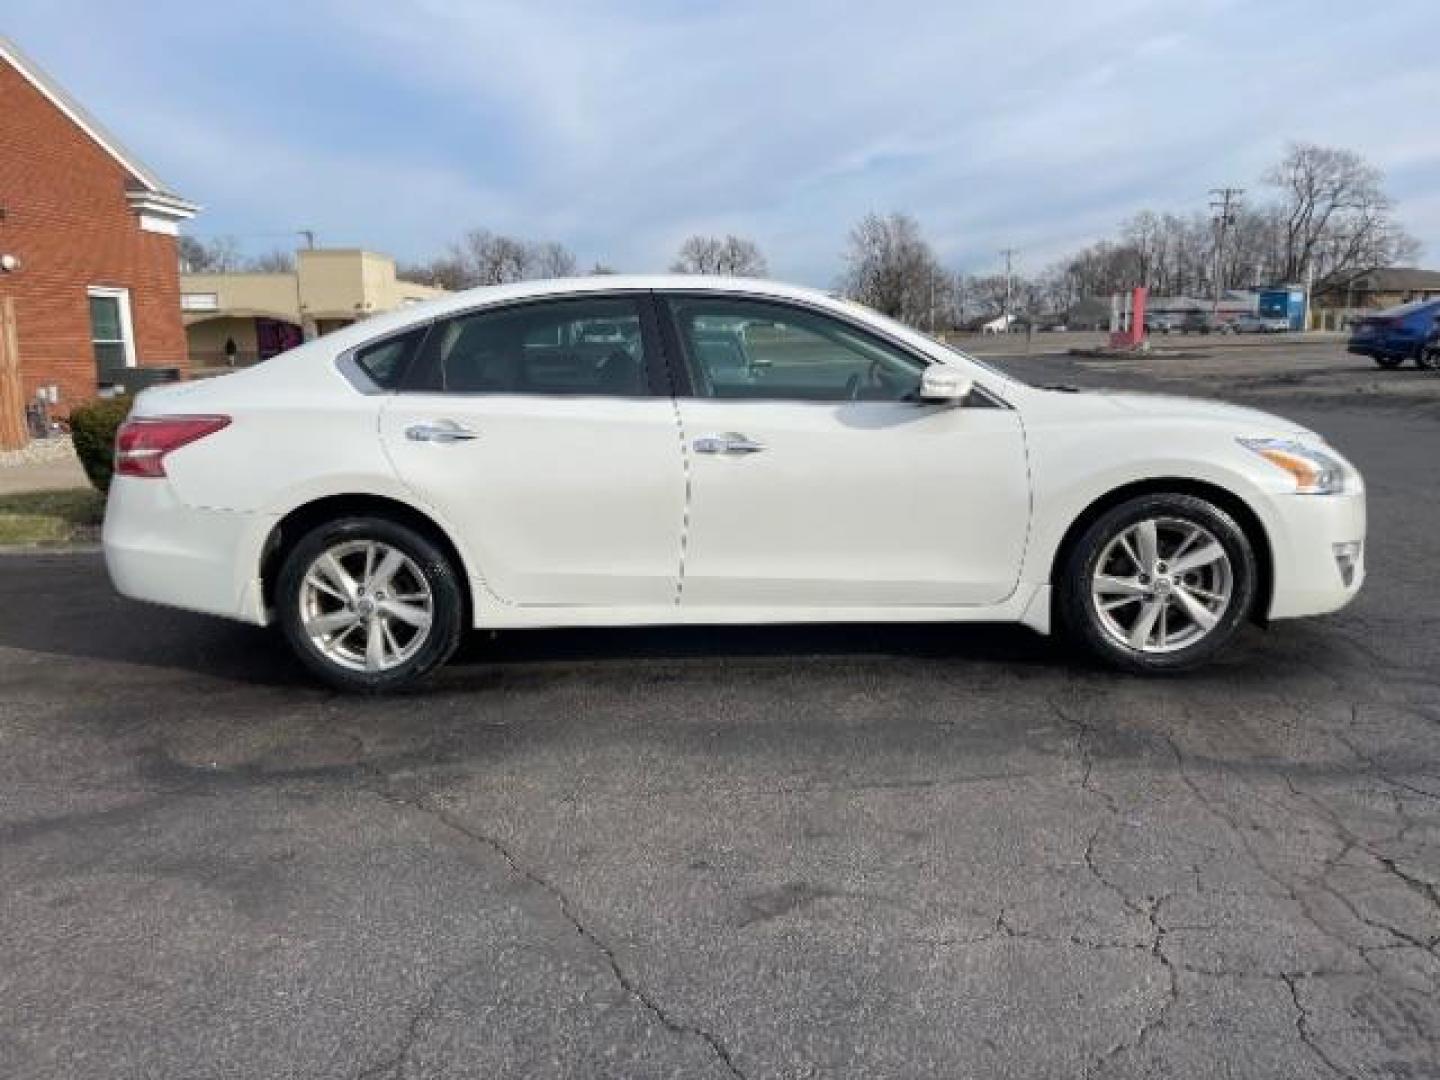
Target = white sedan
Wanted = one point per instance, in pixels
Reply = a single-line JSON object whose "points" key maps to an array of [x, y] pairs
{"points": [[619, 451]]}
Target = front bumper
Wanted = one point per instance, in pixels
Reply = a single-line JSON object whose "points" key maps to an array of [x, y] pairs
{"points": [[1319, 556], [164, 551]]}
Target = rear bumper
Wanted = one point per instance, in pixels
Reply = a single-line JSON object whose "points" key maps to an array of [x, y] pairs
{"points": [[1321, 535], [163, 551]]}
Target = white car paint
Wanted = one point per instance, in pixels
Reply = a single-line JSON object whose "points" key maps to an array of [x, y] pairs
{"points": [[561, 500], [595, 511], [855, 503]]}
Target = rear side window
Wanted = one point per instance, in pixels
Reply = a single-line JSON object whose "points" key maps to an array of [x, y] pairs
{"points": [[385, 362], [574, 346]]}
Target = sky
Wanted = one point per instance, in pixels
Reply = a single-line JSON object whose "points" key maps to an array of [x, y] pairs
{"points": [[619, 129]]}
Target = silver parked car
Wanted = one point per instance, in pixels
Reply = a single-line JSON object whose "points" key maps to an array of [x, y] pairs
{"points": [[1260, 324]]}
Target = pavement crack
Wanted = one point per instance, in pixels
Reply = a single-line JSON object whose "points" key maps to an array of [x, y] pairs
{"points": [[1084, 736], [562, 901], [394, 1064], [1302, 1027]]}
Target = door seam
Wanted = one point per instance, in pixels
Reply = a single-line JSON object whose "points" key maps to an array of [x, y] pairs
{"points": [[685, 515]]}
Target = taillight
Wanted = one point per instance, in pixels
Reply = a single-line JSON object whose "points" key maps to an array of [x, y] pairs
{"points": [[143, 441]]}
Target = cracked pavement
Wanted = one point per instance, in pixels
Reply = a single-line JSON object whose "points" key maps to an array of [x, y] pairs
{"points": [[739, 852]]}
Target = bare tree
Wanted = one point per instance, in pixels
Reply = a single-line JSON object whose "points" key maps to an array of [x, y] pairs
{"points": [[277, 261], [482, 257], [487, 258], [1332, 216], [890, 267], [443, 271], [552, 260], [601, 268], [218, 255], [1333, 204], [731, 256]]}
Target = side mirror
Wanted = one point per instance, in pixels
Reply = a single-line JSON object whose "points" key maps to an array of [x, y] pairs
{"points": [[942, 383]]}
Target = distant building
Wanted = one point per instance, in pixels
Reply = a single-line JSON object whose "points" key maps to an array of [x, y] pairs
{"points": [[262, 314], [1094, 312], [90, 276], [1343, 297]]}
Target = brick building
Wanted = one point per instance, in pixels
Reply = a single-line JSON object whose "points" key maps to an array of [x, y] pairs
{"points": [[88, 264]]}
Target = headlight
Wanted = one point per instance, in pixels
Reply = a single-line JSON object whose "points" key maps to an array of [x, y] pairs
{"points": [[1315, 472]]}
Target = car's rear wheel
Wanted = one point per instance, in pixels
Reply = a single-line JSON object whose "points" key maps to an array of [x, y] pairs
{"points": [[369, 604], [1159, 583], [1429, 359], [1389, 362]]}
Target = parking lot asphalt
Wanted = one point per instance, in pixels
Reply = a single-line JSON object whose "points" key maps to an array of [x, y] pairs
{"points": [[772, 852]]}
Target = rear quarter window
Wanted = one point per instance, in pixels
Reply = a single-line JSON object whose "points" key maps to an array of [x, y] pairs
{"points": [[386, 362]]}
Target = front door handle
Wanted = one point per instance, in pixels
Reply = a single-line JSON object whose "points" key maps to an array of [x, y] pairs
{"points": [[731, 443], [441, 431]]}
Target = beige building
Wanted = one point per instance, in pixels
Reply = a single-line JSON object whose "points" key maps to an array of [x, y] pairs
{"points": [[262, 314], [1342, 299]]}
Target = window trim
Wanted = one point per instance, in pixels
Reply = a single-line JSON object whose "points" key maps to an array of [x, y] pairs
{"points": [[676, 350], [121, 295], [421, 373]]}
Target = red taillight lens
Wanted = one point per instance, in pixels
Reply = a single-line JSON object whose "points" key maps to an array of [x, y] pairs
{"points": [[143, 441]]}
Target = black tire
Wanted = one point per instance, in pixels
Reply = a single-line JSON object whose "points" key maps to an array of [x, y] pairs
{"points": [[1388, 362], [1076, 603], [445, 597], [1428, 359]]}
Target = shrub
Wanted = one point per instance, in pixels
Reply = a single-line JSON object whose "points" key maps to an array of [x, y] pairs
{"points": [[93, 427]]}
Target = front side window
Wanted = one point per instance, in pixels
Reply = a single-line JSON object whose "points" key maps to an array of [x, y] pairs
{"points": [[580, 346], [110, 333], [740, 348]]}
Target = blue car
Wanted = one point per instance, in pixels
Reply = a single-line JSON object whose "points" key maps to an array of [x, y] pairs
{"points": [[1396, 334]]}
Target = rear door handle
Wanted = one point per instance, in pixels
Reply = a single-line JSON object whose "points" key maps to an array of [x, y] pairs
{"points": [[441, 431], [731, 443]]}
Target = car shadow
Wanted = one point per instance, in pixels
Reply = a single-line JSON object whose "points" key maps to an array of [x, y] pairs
{"points": [[81, 618], [65, 608]]}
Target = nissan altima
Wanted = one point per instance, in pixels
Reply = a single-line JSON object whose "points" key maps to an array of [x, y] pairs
{"points": [[671, 450]]}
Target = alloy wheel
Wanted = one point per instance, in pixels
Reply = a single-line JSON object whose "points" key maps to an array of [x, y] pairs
{"points": [[1162, 584], [366, 605]]}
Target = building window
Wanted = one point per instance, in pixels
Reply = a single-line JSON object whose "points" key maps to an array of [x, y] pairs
{"points": [[111, 332], [199, 301]]}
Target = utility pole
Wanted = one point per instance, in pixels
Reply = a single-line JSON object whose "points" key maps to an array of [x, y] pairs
{"points": [[1226, 204], [932, 301], [1008, 253], [309, 235]]}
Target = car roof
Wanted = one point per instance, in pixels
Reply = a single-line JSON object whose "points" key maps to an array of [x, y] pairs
{"points": [[524, 290], [487, 295], [1411, 308]]}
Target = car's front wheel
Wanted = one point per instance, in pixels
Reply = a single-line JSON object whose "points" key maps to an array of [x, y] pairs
{"points": [[1159, 583], [1388, 362], [1429, 358], [369, 604]]}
